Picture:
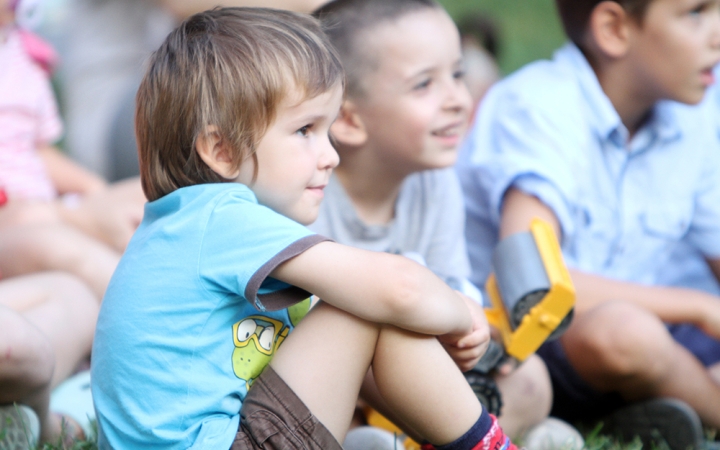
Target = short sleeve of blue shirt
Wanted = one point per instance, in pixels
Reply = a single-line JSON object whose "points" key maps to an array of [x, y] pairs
{"points": [[238, 230]]}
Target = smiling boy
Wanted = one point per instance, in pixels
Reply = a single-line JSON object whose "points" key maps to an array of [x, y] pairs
{"points": [[405, 112], [590, 142]]}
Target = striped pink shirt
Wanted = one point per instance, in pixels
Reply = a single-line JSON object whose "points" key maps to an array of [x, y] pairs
{"points": [[28, 120]]}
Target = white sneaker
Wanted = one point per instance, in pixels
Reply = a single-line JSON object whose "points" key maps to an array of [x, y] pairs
{"points": [[553, 434], [74, 398], [19, 427], [372, 438]]}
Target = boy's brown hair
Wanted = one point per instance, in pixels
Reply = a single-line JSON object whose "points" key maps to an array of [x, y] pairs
{"points": [[575, 14], [346, 22], [229, 68]]}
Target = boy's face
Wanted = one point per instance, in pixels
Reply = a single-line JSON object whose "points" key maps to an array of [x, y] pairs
{"points": [[416, 106], [675, 48], [295, 157]]}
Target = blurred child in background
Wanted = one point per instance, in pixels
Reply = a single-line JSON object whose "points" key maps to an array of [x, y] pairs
{"points": [[40, 186]]}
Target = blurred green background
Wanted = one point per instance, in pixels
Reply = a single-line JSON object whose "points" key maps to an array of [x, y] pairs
{"points": [[527, 29]]}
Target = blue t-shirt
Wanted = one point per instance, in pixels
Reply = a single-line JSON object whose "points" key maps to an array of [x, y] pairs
{"points": [[623, 204], [191, 318]]}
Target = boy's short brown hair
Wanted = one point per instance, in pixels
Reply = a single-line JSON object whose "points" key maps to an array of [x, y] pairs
{"points": [[346, 22], [229, 68], [575, 14]]}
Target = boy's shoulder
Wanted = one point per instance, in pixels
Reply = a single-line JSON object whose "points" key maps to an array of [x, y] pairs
{"points": [[545, 84]]}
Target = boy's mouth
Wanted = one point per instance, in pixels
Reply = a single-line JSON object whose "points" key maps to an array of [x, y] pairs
{"points": [[450, 132], [707, 77], [317, 190]]}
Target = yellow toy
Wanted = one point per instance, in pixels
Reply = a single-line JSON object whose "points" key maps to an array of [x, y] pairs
{"points": [[530, 289], [532, 299]]}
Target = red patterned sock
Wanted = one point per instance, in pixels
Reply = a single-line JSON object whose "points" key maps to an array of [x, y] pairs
{"points": [[495, 439], [487, 430]]}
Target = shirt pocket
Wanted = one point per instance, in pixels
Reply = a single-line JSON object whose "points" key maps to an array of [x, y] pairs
{"points": [[669, 222]]}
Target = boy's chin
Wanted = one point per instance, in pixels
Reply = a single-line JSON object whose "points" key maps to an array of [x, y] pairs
{"points": [[304, 219], [692, 97]]}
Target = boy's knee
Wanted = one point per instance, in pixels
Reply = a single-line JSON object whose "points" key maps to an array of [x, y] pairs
{"points": [[526, 394], [622, 338], [527, 387], [28, 358]]}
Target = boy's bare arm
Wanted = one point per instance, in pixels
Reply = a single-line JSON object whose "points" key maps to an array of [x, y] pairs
{"points": [[68, 176], [672, 305], [378, 287]]}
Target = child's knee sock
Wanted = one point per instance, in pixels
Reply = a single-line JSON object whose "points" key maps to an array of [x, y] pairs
{"points": [[486, 434]]}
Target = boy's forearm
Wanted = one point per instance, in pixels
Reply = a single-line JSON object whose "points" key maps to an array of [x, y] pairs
{"points": [[378, 287], [672, 305]]}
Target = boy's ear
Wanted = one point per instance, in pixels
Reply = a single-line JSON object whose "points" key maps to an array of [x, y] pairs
{"points": [[212, 149], [349, 129], [608, 29]]}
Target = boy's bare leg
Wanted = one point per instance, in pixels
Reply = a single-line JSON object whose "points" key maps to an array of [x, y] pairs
{"points": [[527, 396], [45, 247], [621, 347], [327, 356], [47, 322]]}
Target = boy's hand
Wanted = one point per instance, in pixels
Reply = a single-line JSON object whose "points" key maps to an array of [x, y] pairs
{"points": [[466, 350], [709, 318]]}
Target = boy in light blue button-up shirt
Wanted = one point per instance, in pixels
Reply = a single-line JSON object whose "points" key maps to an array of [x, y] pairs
{"points": [[605, 143]]}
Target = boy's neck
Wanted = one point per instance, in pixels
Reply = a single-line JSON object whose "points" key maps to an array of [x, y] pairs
{"points": [[372, 188], [632, 103]]}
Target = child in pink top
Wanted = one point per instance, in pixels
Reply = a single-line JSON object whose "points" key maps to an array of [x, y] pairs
{"points": [[41, 188], [29, 119]]}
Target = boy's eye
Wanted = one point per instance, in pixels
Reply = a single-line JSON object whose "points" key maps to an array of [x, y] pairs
{"points": [[423, 84], [303, 131], [459, 74], [700, 8]]}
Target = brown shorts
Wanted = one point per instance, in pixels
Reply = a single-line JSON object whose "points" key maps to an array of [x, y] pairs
{"points": [[273, 417]]}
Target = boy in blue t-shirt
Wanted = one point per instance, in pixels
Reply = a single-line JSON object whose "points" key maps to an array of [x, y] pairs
{"points": [[589, 142], [199, 343], [405, 111]]}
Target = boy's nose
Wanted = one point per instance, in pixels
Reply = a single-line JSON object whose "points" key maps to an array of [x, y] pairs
{"points": [[329, 158], [458, 96]]}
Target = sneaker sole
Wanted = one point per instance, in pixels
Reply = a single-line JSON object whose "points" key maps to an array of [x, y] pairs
{"points": [[664, 422]]}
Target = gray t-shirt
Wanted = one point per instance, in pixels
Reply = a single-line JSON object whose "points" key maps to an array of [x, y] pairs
{"points": [[428, 225]]}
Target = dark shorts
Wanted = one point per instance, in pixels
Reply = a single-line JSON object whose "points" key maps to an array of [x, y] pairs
{"points": [[273, 417], [573, 399]]}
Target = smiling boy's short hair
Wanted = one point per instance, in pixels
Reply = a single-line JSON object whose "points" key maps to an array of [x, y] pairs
{"points": [[575, 14], [229, 68], [347, 22]]}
